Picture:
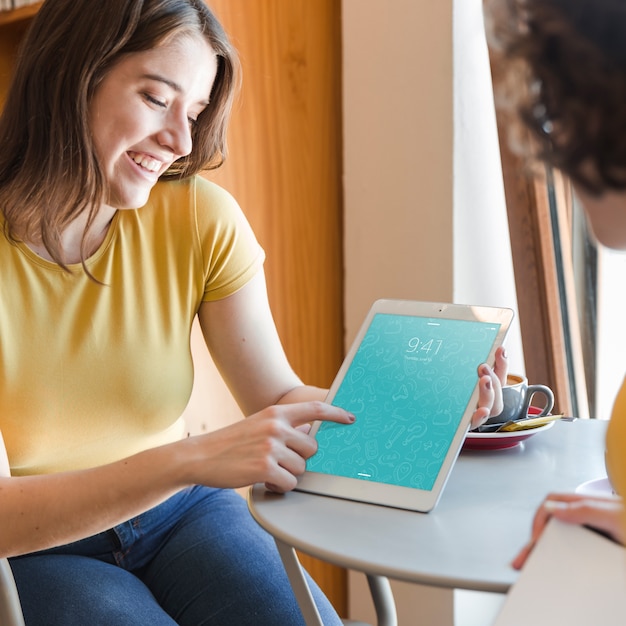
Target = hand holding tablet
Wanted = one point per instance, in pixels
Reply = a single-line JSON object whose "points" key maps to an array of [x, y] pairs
{"points": [[410, 378]]}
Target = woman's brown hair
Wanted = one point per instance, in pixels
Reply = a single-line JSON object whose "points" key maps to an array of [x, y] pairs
{"points": [[566, 63], [49, 171]]}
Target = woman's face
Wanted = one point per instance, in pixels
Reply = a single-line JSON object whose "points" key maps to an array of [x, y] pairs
{"points": [[143, 111], [606, 217]]}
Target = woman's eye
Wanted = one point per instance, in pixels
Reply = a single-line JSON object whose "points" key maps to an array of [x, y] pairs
{"points": [[155, 101]]}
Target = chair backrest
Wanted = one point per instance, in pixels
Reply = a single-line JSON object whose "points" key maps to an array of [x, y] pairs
{"points": [[10, 608]]}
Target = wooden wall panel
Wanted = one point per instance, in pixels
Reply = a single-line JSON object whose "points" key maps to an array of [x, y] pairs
{"points": [[11, 33], [284, 168]]}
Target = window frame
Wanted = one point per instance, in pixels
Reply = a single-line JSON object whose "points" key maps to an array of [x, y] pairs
{"points": [[539, 208]]}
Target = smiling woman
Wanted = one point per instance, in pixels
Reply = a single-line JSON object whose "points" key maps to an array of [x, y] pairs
{"points": [[65, 122], [115, 246], [139, 132], [142, 128]]}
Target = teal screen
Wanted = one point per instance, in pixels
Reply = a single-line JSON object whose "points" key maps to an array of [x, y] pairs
{"points": [[408, 385]]}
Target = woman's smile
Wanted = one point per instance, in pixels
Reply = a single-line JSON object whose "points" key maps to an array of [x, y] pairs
{"points": [[146, 162], [143, 111]]}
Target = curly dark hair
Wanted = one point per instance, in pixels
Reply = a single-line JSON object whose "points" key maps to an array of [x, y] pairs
{"points": [[567, 83]]}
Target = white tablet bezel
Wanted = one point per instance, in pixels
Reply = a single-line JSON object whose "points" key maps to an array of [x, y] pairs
{"points": [[392, 495]]}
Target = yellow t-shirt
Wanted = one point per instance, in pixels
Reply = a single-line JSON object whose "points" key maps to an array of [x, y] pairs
{"points": [[93, 373]]}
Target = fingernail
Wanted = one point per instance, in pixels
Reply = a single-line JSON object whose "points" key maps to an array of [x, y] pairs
{"points": [[555, 505], [352, 417], [488, 385], [504, 353], [484, 370]]}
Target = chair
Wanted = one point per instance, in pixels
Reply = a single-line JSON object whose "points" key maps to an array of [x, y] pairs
{"points": [[10, 609]]}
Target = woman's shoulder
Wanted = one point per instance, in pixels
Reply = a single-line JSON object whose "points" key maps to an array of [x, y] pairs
{"points": [[199, 205], [193, 190]]}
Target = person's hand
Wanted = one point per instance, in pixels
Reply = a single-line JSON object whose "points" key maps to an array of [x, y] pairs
{"points": [[605, 514], [490, 384], [271, 447]]}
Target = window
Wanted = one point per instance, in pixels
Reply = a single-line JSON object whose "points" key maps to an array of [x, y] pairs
{"points": [[569, 291]]}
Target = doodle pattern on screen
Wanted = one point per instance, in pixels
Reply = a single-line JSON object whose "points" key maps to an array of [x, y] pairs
{"points": [[408, 385]]}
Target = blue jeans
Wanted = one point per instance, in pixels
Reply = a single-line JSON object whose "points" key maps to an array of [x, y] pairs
{"points": [[198, 558]]}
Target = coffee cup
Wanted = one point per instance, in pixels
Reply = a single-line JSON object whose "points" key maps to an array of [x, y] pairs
{"points": [[517, 396]]}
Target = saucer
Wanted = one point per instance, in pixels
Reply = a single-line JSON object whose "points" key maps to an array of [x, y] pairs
{"points": [[502, 440], [597, 487]]}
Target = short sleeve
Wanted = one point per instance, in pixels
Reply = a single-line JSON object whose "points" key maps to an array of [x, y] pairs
{"points": [[231, 254]]}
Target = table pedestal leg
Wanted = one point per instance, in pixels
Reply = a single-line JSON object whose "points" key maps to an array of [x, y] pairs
{"points": [[299, 585], [384, 603], [379, 587]]}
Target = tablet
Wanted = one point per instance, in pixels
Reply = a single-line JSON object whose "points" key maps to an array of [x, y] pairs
{"points": [[411, 380]]}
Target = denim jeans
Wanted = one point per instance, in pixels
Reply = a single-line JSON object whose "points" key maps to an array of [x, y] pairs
{"points": [[198, 558]]}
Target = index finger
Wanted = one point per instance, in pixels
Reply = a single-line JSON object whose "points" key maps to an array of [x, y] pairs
{"points": [[306, 412]]}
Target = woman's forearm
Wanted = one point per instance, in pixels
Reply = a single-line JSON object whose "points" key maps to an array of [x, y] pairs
{"points": [[303, 393], [39, 512]]}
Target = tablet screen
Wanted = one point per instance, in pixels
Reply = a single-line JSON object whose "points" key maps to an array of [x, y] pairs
{"points": [[409, 384]]}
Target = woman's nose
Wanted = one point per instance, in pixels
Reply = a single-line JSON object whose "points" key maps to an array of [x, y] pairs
{"points": [[176, 135]]}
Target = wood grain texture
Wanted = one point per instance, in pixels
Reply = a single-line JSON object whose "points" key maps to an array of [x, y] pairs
{"points": [[284, 168], [19, 15], [11, 34]]}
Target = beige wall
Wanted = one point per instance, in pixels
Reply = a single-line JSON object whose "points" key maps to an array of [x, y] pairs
{"points": [[397, 152], [424, 205]]}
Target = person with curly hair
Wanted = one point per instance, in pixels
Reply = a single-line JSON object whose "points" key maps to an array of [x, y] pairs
{"points": [[564, 94]]}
